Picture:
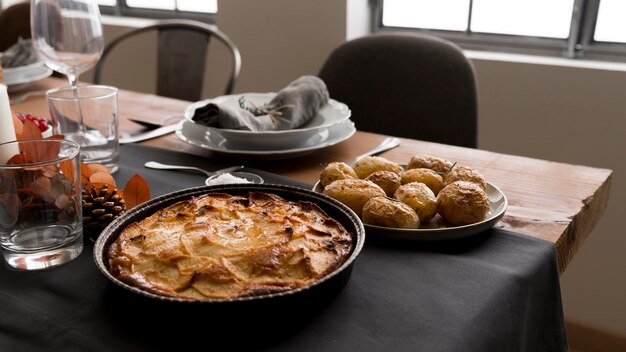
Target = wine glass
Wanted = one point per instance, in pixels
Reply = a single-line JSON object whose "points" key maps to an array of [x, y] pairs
{"points": [[67, 35]]}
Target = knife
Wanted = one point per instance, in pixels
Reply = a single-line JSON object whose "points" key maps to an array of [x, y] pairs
{"points": [[157, 132]]}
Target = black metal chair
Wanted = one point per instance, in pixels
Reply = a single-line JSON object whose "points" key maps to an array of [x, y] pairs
{"points": [[14, 24], [182, 56], [406, 85]]}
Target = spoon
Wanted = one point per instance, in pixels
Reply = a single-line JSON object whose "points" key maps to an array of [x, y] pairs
{"points": [[160, 166], [388, 143]]}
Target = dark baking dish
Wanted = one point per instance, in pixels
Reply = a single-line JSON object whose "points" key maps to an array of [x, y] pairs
{"points": [[329, 284]]}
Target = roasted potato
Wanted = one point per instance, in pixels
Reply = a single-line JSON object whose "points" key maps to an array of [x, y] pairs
{"points": [[463, 203], [418, 196], [387, 180], [336, 171], [383, 211], [371, 164], [354, 192], [429, 162], [431, 178], [465, 173]]}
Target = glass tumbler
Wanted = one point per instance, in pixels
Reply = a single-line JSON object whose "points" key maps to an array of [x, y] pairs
{"points": [[40, 203]]}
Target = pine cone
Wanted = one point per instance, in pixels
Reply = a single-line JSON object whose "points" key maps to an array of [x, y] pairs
{"points": [[100, 207]]}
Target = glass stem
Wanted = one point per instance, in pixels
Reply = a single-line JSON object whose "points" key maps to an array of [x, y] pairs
{"points": [[73, 78]]}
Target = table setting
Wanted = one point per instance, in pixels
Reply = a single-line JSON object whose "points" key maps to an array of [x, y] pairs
{"points": [[21, 66], [240, 221]]}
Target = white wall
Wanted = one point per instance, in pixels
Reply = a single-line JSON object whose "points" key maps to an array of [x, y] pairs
{"points": [[573, 115]]}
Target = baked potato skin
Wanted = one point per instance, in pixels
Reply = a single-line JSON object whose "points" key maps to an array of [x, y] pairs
{"points": [[418, 196], [465, 173], [463, 203], [384, 211], [370, 164], [429, 177], [336, 171], [387, 180], [354, 192], [429, 162]]}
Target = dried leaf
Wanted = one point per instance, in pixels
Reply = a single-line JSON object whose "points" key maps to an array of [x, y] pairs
{"points": [[18, 124], [31, 131], [62, 202], [98, 168], [41, 185], [102, 177], [67, 168], [36, 151], [51, 152], [19, 159], [85, 173], [136, 191], [49, 170]]}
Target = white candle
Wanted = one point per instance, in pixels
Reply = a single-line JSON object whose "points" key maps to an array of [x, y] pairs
{"points": [[7, 131]]}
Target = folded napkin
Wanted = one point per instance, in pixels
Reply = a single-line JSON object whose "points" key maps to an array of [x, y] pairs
{"points": [[19, 54], [292, 107]]}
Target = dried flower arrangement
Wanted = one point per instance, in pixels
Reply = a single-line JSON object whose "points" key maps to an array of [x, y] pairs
{"points": [[102, 200]]}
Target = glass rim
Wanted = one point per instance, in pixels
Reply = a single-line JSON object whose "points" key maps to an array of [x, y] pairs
{"points": [[41, 163], [112, 91]]}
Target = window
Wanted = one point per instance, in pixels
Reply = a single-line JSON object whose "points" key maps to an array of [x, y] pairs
{"points": [[570, 28], [201, 10]]}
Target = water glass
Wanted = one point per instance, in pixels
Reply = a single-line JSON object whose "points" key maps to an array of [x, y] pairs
{"points": [[40, 203], [97, 136]]}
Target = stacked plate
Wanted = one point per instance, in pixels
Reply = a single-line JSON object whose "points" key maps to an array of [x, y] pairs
{"points": [[18, 78], [330, 126]]}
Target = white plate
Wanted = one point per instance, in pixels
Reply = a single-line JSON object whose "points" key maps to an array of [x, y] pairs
{"points": [[187, 132], [436, 229], [329, 115], [18, 78]]}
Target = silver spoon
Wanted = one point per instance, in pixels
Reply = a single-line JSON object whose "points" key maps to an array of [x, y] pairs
{"points": [[388, 143], [21, 98], [160, 166]]}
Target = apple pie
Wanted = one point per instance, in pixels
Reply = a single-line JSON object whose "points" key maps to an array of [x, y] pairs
{"points": [[221, 246]]}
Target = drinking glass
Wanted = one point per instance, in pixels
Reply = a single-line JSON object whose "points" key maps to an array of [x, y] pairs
{"points": [[97, 105], [67, 35], [41, 219]]}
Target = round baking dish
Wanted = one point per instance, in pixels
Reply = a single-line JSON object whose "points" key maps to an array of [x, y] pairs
{"points": [[329, 284]]}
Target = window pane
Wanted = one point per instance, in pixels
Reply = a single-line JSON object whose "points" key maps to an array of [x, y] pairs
{"points": [[537, 18], [611, 26], [209, 6], [7, 3], [106, 2], [152, 4], [432, 14]]}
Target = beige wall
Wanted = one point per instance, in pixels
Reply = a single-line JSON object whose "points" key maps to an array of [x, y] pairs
{"points": [[558, 113], [577, 116]]}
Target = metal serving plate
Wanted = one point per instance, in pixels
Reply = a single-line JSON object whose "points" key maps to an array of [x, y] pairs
{"points": [[437, 229], [326, 285]]}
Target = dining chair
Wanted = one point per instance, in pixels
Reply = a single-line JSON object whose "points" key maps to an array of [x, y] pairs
{"points": [[14, 24], [407, 85], [181, 56]]}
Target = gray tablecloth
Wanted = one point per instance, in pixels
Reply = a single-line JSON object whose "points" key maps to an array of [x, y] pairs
{"points": [[497, 291]]}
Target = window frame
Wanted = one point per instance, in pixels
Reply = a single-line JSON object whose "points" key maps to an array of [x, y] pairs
{"points": [[579, 44], [122, 9]]}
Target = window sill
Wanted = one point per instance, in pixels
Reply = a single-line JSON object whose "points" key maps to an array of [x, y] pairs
{"points": [[545, 60], [123, 21]]}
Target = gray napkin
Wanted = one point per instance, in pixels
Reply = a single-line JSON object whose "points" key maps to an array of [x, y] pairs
{"points": [[19, 54], [292, 107]]}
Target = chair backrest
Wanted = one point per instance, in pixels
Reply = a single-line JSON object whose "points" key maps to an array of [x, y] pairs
{"points": [[14, 23], [182, 55], [407, 85]]}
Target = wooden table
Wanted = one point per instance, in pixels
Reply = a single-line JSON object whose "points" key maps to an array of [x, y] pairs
{"points": [[557, 202]]}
